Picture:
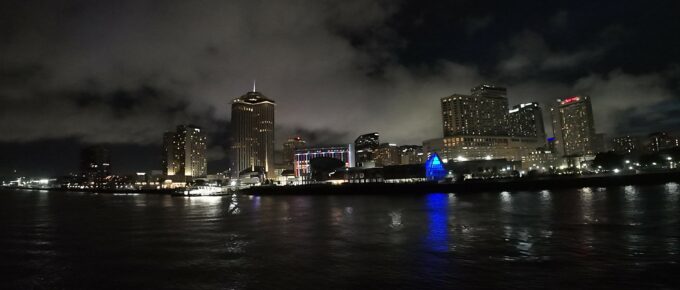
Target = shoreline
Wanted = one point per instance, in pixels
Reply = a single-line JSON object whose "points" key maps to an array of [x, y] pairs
{"points": [[465, 187], [474, 186], [102, 191]]}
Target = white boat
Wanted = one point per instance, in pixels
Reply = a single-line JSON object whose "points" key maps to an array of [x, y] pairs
{"points": [[203, 190]]}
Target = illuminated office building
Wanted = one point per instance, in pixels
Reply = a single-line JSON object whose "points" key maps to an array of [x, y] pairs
{"points": [[252, 133], [573, 126], [185, 152]]}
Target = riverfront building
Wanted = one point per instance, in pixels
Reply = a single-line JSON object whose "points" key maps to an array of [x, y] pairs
{"points": [[470, 147], [344, 153]]}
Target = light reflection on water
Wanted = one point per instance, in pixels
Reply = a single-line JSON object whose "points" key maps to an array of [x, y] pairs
{"points": [[437, 209], [440, 240]]}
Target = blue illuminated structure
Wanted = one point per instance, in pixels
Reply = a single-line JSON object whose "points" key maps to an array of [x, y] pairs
{"points": [[434, 168]]}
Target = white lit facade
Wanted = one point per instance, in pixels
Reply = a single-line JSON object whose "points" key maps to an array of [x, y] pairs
{"points": [[344, 153], [185, 152]]}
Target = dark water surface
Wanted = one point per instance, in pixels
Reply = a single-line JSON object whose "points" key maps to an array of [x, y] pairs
{"points": [[592, 238]]}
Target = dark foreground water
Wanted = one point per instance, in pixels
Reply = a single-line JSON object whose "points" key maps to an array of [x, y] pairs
{"points": [[626, 237]]}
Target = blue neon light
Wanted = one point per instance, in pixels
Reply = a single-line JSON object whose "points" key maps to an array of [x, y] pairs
{"points": [[434, 169]]}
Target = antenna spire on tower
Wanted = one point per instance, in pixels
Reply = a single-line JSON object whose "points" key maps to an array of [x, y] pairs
{"points": [[254, 83]]}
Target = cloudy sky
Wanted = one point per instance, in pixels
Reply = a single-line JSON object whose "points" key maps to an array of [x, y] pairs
{"points": [[123, 72]]}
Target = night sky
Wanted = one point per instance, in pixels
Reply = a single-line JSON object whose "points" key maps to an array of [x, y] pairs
{"points": [[123, 72]]}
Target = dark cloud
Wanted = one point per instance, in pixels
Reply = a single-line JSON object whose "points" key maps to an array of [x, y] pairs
{"points": [[663, 114], [560, 19], [122, 72], [474, 25]]}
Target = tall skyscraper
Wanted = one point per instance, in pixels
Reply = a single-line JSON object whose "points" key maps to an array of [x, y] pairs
{"points": [[185, 152], [289, 148], [573, 126], [366, 146], [252, 133], [482, 113], [526, 120]]}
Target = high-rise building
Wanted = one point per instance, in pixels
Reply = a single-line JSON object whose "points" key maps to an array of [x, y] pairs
{"points": [[625, 144], [412, 154], [289, 148], [344, 153], [366, 146], [170, 162], [573, 126], [388, 154], [185, 152], [252, 133], [526, 120], [482, 113], [95, 164], [494, 105]]}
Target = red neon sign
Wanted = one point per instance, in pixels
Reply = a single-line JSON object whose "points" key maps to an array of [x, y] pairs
{"points": [[570, 100]]}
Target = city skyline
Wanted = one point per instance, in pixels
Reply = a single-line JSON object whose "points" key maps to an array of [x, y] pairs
{"points": [[338, 83], [533, 109]]}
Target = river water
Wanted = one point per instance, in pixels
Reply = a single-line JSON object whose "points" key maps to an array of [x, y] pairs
{"points": [[589, 238]]}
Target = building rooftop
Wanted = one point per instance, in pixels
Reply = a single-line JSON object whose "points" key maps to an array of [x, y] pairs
{"points": [[253, 98]]}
